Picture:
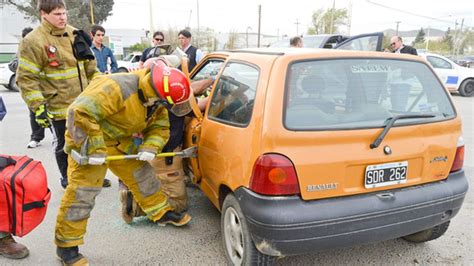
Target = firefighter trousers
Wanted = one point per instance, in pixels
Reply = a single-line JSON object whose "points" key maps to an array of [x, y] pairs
{"points": [[85, 183], [172, 180]]}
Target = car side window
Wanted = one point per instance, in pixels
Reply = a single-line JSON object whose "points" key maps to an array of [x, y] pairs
{"points": [[210, 69], [437, 62], [136, 59], [366, 43], [234, 95]]}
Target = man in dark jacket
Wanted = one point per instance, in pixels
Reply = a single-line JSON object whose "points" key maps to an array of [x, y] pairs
{"points": [[194, 54], [398, 47]]}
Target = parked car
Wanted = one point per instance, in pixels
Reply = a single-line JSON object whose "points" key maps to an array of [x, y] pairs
{"points": [[129, 63], [7, 77], [467, 61], [310, 149], [456, 78]]}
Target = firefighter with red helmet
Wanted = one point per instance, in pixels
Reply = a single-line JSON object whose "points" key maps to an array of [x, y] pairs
{"points": [[169, 170], [102, 122]]}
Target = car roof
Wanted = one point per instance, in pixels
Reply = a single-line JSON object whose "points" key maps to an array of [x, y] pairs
{"points": [[301, 53]]}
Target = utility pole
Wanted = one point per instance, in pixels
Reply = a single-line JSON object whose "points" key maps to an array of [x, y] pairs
{"points": [[259, 23], [197, 39], [332, 16], [455, 37], [247, 35], [297, 24], [455, 43], [152, 29], [92, 11], [350, 18], [396, 31], [428, 38], [189, 18]]}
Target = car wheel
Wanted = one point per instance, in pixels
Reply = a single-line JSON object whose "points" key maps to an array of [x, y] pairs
{"points": [[428, 234], [122, 70], [467, 88], [238, 244], [12, 84]]}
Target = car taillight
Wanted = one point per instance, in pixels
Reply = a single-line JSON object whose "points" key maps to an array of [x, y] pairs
{"points": [[459, 157], [274, 174]]}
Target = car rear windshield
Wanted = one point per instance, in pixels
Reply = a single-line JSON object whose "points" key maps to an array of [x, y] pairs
{"points": [[361, 93]]}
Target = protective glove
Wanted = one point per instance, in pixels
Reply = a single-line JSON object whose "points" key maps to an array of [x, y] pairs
{"points": [[96, 160], [146, 156], [43, 117]]}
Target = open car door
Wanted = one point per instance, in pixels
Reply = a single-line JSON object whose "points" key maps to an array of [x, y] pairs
{"points": [[363, 42], [209, 66]]}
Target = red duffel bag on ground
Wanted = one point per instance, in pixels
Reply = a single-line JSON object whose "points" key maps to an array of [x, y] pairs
{"points": [[24, 194]]}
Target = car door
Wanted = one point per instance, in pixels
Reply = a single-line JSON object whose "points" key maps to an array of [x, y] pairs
{"points": [[445, 70], [363, 42], [209, 66]]}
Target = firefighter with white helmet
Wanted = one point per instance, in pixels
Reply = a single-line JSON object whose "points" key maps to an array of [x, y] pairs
{"points": [[102, 121]]}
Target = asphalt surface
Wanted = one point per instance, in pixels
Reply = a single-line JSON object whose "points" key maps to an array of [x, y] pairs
{"points": [[109, 241]]}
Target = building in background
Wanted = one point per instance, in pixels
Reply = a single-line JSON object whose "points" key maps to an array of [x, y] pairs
{"points": [[12, 23]]}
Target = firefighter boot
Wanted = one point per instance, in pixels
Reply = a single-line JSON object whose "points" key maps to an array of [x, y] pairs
{"points": [[174, 218], [126, 201], [11, 249], [71, 256], [130, 207]]}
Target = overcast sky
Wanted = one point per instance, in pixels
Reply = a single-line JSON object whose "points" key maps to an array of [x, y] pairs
{"points": [[280, 16]]}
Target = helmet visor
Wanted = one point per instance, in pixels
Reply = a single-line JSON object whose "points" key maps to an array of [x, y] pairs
{"points": [[182, 108]]}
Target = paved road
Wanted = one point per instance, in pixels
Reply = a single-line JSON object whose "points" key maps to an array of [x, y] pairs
{"points": [[110, 241]]}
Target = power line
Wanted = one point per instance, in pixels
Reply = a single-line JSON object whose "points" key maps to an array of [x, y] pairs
{"points": [[408, 12]]}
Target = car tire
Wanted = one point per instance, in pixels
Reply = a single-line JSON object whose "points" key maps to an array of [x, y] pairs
{"points": [[122, 70], [12, 84], [238, 244], [467, 88], [428, 234]]}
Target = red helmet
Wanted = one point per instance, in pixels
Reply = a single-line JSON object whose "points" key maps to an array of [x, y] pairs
{"points": [[172, 86]]}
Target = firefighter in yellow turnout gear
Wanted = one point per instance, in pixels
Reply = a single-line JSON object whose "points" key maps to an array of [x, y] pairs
{"points": [[105, 116], [53, 71]]}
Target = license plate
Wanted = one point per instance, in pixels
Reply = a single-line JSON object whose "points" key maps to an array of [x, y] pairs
{"points": [[386, 174]]}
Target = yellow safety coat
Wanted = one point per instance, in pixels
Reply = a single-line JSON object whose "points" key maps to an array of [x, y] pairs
{"points": [[48, 71], [110, 111]]}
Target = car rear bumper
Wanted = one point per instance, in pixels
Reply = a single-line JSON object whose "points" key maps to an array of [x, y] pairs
{"points": [[283, 226]]}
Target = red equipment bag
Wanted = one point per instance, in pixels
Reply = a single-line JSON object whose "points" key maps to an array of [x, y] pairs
{"points": [[24, 194]]}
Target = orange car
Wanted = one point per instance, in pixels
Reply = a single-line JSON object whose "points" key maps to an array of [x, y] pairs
{"points": [[307, 149]]}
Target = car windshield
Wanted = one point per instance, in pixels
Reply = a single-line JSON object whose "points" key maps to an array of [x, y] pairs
{"points": [[362, 93], [308, 42]]}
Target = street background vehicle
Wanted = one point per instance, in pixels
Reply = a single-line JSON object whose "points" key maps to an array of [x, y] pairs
{"points": [[456, 78], [129, 63], [7, 77], [467, 61]]}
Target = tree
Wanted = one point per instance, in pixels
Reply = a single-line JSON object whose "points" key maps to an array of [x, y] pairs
{"points": [[448, 39], [420, 37], [467, 40], [79, 14], [321, 20]]}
